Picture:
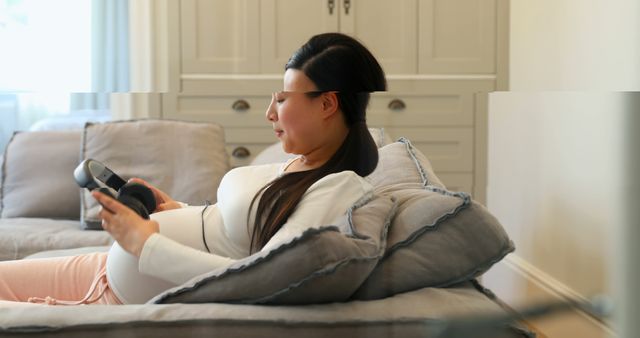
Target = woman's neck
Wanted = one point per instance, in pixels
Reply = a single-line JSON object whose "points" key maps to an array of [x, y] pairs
{"points": [[319, 156]]}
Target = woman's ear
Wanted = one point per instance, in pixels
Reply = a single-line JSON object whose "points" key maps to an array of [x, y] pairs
{"points": [[329, 104]]}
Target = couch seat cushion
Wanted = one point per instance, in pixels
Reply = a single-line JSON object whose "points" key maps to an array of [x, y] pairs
{"points": [[422, 313], [20, 237]]}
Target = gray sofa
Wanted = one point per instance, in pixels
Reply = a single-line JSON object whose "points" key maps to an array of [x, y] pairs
{"points": [[403, 263]]}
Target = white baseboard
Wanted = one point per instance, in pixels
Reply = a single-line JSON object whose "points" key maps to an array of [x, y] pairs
{"points": [[519, 283]]}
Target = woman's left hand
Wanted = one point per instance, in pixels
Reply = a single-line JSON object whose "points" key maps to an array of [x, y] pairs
{"points": [[129, 229]]}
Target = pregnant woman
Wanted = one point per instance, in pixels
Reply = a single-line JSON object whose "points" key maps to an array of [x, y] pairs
{"points": [[319, 115]]}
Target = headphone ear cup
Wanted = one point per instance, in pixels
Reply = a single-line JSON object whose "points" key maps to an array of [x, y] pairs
{"points": [[140, 194], [135, 205]]}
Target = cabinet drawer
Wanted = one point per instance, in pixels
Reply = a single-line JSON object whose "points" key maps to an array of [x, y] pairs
{"points": [[241, 154], [448, 149], [263, 135], [457, 181], [443, 109], [244, 144], [229, 111]]}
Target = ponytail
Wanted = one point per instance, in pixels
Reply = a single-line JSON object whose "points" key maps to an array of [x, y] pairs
{"points": [[334, 62]]}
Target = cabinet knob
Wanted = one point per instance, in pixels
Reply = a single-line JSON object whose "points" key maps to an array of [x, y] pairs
{"points": [[241, 152], [397, 105], [240, 105], [331, 4]]}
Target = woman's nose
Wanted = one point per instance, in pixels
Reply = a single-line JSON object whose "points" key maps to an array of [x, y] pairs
{"points": [[271, 113]]}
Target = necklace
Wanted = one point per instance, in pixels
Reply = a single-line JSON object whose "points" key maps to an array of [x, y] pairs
{"points": [[299, 158]]}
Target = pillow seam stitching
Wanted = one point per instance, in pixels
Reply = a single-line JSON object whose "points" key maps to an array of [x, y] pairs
{"points": [[435, 225], [4, 172]]}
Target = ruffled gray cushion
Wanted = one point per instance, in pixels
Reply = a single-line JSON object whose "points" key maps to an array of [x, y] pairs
{"points": [[400, 162], [321, 265], [438, 237]]}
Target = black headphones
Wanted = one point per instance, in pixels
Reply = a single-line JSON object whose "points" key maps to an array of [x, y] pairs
{"points": [[92, 174]]}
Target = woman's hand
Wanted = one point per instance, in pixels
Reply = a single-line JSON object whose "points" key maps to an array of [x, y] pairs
{"points": [[163, 201], [129, 229]]}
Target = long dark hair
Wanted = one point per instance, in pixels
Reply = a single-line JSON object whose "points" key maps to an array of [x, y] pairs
{"points": [[333, 62]]}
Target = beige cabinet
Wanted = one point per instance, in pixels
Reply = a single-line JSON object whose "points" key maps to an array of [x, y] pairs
{"points": [[219, 36], [388, 29], [287, 24], [444, 119], [407, 36], [457, 36], [253, 36], [226, 57]]}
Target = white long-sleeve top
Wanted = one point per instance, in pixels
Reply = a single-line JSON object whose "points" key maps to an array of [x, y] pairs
{"points": [[178, 253]]}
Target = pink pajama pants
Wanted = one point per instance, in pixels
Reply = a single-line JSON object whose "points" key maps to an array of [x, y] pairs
{"points": [[70, 280]]}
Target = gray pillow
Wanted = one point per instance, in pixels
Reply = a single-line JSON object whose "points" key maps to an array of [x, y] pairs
{"points": [[1, 179], [438, 238], [321, 265], [184, 159], [400, 162], [37, 175]]}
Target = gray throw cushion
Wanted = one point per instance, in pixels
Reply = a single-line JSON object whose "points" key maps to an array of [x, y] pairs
{"points": [[321, 265], [184, 159], [1, 179], [37, 175], [438, 238], [400, 162]]}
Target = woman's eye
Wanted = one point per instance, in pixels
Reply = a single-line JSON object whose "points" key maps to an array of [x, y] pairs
{"points": [[279, 99]]}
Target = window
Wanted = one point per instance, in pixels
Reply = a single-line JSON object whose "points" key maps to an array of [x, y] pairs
{"points": [[46, 46], [49, 50]]}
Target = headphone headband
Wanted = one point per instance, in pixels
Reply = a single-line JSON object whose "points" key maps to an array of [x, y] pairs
{"points": [[89, 172]]}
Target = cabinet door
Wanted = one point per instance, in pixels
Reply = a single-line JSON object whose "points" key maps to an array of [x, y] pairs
{"points": [[288, 24], [220, 36], [387, 28], [457, 36]]}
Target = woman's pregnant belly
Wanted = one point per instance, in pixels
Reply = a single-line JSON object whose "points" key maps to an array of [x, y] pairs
{"points": [[182, 225]]}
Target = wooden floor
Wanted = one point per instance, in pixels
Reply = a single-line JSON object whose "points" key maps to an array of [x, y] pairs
{"points": [[569, 323]]}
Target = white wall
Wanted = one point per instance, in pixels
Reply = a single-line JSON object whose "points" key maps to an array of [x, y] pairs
{"points": [[559, 180], [558, 143], [574, 45], [555, 168]]}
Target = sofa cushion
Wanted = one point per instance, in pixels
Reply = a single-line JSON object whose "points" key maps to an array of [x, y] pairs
{"points": [[21, 237], [184, 159], [320, 265], [69, 252], [438, 238], [428, 312], [400, 162], [37, 175]]}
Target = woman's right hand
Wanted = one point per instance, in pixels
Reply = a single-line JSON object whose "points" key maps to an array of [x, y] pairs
{"points": [[163, 201]]}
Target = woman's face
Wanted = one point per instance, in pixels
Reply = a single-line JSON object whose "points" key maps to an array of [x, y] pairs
{"points": [[295, 116]]}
